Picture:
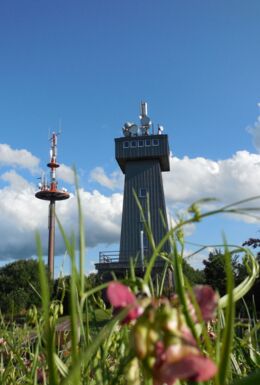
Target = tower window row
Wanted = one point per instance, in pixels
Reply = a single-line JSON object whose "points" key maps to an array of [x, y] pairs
{"points": [[141, 143]]}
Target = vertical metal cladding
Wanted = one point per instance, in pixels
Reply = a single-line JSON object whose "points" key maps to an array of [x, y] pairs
{"points": [[142, 167]]}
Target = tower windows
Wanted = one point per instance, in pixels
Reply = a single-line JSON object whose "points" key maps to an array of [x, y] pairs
{"points": [[142, 192], [141, 143]]}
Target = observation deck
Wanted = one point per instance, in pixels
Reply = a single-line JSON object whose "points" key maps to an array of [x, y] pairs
{"points": [[144, 147]]}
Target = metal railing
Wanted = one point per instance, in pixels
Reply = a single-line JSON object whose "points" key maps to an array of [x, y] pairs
{"points": [[114, 256], [108, 256], [117, 259]]}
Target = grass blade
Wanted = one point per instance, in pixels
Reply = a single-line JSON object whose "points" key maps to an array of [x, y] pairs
{"points": [[226, 348], [49, 334]]}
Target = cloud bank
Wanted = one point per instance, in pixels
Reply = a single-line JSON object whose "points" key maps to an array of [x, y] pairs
{"points": [[228, 180], [65, 173], [22, 215], [190, 179], [112, 182], [18, 158]]}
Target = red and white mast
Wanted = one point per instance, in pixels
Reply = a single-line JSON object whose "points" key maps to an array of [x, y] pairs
{"points": [[50, 192]]}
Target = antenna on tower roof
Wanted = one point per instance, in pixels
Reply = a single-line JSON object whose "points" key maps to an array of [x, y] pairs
{"points": [[143, 109], [144, 118]]}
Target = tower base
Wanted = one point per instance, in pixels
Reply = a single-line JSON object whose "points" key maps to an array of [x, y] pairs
{"points": [[107, 271]]}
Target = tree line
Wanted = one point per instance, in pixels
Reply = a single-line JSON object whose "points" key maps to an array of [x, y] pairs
{"points": [[20, 287]]}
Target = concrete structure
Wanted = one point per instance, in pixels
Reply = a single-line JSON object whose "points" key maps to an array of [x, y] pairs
{"points": [[142, 157]]}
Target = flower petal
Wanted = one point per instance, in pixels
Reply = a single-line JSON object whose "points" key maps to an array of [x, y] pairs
{"points": [[191, 367], [207, 300], [120, 295]]}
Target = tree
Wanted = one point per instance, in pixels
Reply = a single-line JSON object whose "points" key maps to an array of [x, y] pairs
{"points": [[16, 281], [195, 276], [253, 242], [215, 274], [61, 289]]}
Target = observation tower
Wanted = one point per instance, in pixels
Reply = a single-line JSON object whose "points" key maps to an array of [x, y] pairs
{"points": [[142, 154], [50, 192]]}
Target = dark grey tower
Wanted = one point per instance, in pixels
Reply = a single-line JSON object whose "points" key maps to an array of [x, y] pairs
{"points": [[142, 157]]}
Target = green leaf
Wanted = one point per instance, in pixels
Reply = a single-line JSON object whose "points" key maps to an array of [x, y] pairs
{"points": [[227, 341], [253, 379]]}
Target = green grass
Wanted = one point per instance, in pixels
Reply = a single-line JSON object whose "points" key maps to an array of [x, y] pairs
{"points": [[99, 349]]}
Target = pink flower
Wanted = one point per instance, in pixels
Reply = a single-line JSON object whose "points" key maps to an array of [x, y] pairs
{"points": [[192, 367], [181, 360], [40, 376], [207, 300], [120, 297]]}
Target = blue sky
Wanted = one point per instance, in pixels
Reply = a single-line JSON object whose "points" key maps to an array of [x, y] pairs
{"points": [[89, 64]]}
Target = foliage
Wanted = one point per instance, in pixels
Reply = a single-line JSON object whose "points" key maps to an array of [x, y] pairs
{"points": [[61, 290], [19, 285], [194, 276], [253, 242], [214, 273], [254, 292], [214, 270]]}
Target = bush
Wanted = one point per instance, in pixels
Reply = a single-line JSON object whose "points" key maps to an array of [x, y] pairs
{"points": [[16, 282]]}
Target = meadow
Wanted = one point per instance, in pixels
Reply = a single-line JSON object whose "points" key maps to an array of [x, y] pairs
{"points": [[144, 332]]}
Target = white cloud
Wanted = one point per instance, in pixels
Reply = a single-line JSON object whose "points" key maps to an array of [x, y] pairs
{"points": [[16, 181], [190, 179], [65, 173], [195, 258], [18, 158], [188, 229], [112, 182], [228, 180], [22, 215], [102, 216]]}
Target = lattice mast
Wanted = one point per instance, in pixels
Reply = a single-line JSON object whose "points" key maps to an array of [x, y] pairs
{"points": [[50, 192]]}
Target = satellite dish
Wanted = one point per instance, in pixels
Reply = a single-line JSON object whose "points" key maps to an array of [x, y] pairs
{"points": [[126, 131], [133, 129], [126, 128], [160, 129]]}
